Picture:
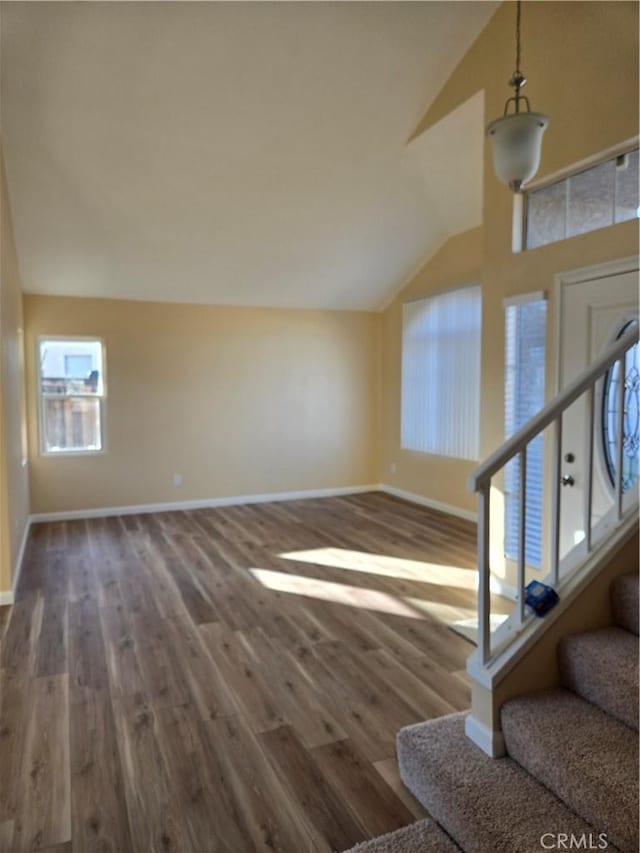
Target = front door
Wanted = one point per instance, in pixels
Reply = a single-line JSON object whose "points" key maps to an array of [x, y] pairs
{"points": [[596, 305]]}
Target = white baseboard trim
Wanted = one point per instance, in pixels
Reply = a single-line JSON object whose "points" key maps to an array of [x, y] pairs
{"points": [[200, 503], [20, 560], [467, 514], [489, 740], [234, 500], [8, 596]]}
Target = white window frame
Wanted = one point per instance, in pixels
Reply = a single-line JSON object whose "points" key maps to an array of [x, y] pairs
{"points": [[61, 339]]}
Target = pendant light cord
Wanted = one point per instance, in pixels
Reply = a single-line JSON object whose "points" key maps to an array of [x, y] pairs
{"points": [[518, 80], [518, 5]]}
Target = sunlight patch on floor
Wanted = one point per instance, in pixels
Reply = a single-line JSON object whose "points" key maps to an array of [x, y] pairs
{"points": [[335, 593], [444, 613], [392, 567]]}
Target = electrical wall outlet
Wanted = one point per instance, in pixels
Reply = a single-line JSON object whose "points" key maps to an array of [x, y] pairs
{"points": [[392, 467], [177, 480]]}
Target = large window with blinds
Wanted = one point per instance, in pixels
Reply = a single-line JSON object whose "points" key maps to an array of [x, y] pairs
{"points": [[441, 374], [524, 396]]}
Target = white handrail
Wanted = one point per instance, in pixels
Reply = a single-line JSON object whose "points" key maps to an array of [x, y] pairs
{"points": [[480, 482], [551, 411]]}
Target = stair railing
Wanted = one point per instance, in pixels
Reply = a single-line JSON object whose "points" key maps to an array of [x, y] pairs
{"points": [[516, 446]]}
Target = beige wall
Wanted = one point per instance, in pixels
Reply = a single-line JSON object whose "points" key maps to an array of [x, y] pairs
{"points": [[581, 60], [239, 401], [14, 487], [440, 479], [265, 401]]}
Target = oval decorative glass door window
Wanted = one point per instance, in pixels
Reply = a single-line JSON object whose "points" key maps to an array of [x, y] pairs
{"points": [[631, 420]]}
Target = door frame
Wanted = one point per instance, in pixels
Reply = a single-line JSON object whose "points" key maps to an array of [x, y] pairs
{"points": [[593, 272], [631, 263]]}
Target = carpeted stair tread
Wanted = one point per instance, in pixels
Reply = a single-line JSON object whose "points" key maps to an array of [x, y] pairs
{"points": [[585, 757], [602, 667], [425, 836], [486, 805], [624, 602]]}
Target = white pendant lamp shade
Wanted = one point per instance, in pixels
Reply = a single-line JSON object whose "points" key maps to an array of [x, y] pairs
{"points": [[516, 138], [517, 144]]}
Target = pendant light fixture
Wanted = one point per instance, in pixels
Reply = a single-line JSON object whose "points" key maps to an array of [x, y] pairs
{"points": [[517, 137]]}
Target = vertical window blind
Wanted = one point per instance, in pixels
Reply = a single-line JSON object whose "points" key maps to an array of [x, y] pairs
{"points": [[524, 396], [440, 410]]}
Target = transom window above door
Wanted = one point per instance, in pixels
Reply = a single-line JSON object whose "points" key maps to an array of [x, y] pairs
{"points": [[602, 195]]}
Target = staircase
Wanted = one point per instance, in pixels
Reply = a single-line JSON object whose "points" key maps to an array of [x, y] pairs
{"points": [[571, 763]]}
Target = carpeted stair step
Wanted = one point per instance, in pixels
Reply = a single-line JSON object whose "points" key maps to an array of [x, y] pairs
{"points": [[585, 757], [602, 667], [624, 602], [425, 836], [486, 805]]}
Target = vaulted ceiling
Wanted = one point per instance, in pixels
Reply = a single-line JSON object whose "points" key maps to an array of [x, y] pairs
{"points": [[234, 153]]}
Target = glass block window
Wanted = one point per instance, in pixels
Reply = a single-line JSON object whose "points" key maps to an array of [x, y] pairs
{"points": [[524, 397], [631, 420], [603, 195]]}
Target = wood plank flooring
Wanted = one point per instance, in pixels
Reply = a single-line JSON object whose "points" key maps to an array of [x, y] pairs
{"points": [[229, 680]]}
